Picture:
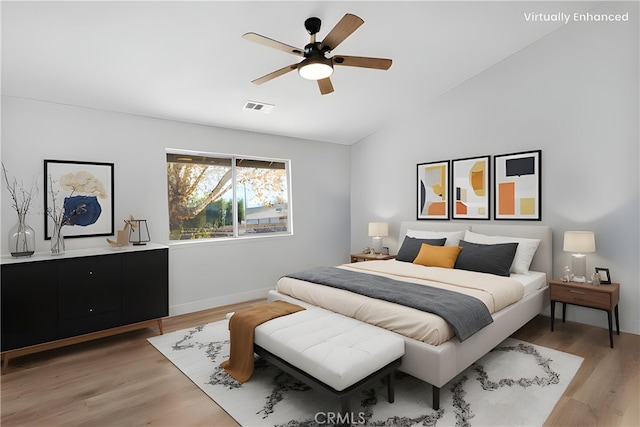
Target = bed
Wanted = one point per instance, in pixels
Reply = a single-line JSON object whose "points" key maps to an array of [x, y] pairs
{"points": [[438, 361]]}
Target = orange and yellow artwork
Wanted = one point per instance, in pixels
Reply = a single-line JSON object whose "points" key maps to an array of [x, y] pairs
{"points": [[517, 183], [433, 189], [470, 182]]}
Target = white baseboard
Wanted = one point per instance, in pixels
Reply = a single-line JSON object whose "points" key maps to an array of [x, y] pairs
{"points": [[192, 307]]}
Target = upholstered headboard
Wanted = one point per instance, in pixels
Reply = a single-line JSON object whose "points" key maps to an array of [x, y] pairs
{"points": [[542, 260]]}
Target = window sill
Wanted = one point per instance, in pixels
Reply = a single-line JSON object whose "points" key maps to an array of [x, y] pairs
{"points": [[178, 244]]}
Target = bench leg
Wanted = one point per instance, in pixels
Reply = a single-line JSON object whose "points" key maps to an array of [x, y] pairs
{"points": [[345, 403], [436, 397], [391, 389]]}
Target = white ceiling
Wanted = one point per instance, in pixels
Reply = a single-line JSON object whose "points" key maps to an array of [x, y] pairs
{"points": [[186, 61]]}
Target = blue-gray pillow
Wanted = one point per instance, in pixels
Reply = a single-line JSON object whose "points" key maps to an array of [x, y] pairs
{"points": [[411, 246], [495, 259]]}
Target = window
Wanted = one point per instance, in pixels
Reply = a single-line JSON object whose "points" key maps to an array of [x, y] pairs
{"points": [[220, 196]]}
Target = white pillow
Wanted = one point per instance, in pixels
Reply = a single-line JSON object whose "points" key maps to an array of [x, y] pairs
{"points": [[524, 254], [453, 237]]}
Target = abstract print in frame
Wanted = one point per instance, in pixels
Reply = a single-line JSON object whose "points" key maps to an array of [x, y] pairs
{"points": [[518, 186], [83, 193], [470, 188], [433, 190]]}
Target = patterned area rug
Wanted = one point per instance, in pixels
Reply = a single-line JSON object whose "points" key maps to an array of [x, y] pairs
{"points": [[516, 384]]}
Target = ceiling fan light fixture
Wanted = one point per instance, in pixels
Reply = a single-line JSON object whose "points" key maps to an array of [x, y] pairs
{"points": [[315, 68]]}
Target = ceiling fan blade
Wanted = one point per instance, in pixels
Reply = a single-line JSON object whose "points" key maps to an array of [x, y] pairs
{"points": [[361, 61], [274, 74], [266, 41], [343, 29], [325, 86]]}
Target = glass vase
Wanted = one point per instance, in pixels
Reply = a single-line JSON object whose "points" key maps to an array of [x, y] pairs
{"points": [[22, 238], [57, 240]]}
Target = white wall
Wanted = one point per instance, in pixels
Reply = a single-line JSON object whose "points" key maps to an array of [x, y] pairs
{"points": [[573, 94], [201, 275]]}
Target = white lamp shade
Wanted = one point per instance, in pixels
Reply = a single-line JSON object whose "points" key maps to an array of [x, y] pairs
{"points": [[579, 241], [378, 229]]}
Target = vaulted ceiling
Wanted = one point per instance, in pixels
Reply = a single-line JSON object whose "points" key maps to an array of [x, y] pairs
{"points": [[187, 61]]}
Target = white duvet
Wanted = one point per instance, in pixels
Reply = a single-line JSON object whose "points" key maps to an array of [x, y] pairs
{"points": [[495, 292]]}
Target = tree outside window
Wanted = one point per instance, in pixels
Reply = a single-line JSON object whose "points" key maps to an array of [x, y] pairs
{"points": [[213, 196]]}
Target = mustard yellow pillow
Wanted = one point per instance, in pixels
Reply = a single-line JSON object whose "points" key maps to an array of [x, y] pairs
{"points": [[437, 256]]}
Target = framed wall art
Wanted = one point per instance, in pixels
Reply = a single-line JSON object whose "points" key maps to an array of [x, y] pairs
{"points": [[79, 195], [518, 186], [433, 190], [470, 188]]}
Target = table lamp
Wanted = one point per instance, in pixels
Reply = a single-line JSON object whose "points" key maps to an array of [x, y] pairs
{"points": [[378, 230], [579, 242]]}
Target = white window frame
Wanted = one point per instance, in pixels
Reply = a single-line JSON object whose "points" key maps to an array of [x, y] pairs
{"points": [[236, 235]]}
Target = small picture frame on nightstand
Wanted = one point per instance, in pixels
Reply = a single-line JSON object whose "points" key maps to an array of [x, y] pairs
{"points": [[605, 277]]}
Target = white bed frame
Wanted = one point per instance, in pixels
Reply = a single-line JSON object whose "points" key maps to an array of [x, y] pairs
{"points": [[437, 365]]}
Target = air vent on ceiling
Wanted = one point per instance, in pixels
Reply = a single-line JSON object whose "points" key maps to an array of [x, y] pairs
{"points": [[258, 106]]}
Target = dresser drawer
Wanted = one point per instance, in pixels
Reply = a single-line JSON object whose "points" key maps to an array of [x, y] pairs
{"points": [[581, 297], [88, 286], [89, 301]]}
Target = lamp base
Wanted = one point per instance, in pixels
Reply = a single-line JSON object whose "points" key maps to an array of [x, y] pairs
{"points": [[579, 267], [377, 244]]}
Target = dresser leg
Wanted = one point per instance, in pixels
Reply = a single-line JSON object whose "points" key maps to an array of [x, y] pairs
{"points": [[553, 314], [5, 363], [160, 327], [564, 311], [617, 320]]}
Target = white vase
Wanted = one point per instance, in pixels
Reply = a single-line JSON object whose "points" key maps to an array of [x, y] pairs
{"points": [[22, 238], [57, 240]]}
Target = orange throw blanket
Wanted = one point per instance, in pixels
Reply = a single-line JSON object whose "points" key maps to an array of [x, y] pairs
{"points": [[241, 327]]}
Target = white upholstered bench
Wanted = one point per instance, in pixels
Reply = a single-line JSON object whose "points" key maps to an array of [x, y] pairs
{"points": [[330, 352]]}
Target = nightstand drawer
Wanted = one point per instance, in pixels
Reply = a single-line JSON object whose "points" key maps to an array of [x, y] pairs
{"points": [[581, 297]]}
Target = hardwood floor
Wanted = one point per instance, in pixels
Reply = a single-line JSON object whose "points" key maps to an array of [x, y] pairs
{"points": [[606, 389], [123, 381]]}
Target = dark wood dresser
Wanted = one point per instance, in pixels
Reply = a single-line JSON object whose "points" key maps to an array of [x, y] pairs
{"points": [[50, 301]]}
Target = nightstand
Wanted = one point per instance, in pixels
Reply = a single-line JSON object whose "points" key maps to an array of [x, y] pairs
{"points": [[370, 257], [601, 297]]}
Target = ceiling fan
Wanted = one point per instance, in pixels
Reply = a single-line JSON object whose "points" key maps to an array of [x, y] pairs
{"points": [[316, 65]]}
